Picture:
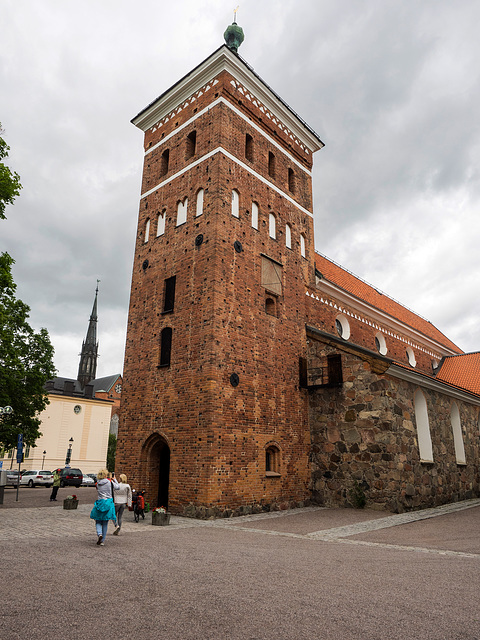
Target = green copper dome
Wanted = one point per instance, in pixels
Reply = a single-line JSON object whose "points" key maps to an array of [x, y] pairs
{"points": [[234, 36]]}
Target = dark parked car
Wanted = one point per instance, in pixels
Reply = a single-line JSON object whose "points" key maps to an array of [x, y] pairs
{"points": [[12, 477], [70, 477]]}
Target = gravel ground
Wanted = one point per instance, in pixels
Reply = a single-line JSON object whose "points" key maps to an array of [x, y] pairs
{"points": [[261, 577]]}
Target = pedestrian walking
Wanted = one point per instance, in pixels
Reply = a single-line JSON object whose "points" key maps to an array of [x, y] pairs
{"points": [[104, 507], [55, 486], [122, 498]]}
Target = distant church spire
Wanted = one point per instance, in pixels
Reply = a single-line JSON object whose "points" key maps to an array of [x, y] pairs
{"points": [[87, 368]]}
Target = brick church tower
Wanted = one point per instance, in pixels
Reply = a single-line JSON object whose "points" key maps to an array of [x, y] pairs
{"points": [[213, 419]]}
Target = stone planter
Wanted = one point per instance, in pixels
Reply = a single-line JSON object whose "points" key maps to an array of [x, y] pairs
{"points": [[160, 519], [70, 504]]}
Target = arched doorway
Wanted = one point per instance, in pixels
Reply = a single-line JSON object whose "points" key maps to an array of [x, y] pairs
{"points": [[158, 469]]}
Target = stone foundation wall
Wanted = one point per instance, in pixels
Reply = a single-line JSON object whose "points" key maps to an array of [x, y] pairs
{"points": [[364, 437]]}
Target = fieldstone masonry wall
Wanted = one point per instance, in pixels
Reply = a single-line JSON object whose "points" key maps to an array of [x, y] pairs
{"points": [[364, 432]]}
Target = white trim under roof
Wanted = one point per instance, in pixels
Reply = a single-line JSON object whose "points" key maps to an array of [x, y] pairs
{"points": [[222, 100], [241, 164], [225, 60], [382, 316], [417, 378]]}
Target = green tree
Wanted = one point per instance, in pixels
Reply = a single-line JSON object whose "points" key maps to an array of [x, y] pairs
{"points": [[26, 357], [26, 363], [9, 180], [111, 450]]}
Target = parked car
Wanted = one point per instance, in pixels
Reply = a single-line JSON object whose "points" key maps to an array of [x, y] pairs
{"points": [[88, 481], [34, 478], [93, 476], [12, 477], [70, 477]]}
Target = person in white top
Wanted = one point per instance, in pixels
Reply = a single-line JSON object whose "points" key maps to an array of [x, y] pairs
{"points": [[123, 497]]}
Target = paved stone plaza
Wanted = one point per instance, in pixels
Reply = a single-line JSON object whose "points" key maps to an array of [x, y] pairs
{"points": [[305, 573]]}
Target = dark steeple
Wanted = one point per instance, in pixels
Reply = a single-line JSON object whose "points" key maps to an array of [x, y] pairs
{"points": [[87, 368]]}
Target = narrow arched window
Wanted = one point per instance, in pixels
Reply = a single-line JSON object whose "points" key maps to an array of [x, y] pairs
{"points": [[272, 460], [423, 427], [411, 357], [235, 203], [272, 231], [255, 215], [191, 145], [164, 161], [271, 306], [249, 147], [457, 434], [271, 164], [161, 223], [288, 236], [165, 346], [291, 181], [199, 209], [147, 230], [182, 211], [303, 249]]}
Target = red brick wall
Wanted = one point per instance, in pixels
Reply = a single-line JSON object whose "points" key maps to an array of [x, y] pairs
{"points": [[217, 433]]}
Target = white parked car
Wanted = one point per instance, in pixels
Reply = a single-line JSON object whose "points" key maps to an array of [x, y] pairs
{"points": [[88, 481], [33, 478]]}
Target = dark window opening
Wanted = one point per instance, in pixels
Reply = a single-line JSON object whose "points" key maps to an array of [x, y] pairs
{"points": [[191, 145], [271, 306], [164, 162], [291, 181], [165, 346], [271, 164], [249, 147], [334, 367], [169, 294], [272, 461]]}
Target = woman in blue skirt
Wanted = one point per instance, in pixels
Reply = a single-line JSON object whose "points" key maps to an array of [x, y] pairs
{"points": [[104, 507]]}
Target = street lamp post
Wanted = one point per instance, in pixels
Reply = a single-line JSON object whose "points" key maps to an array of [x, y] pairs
{"points": [[69, 453], [43, 461]]}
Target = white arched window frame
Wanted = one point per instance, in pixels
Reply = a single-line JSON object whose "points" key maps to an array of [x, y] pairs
{"points": [[182, 211], [343, 326], [235, 204], [380, 343], [411, 357], [288, 236], [161, 223], [303, 250], [272, 226], [199, 209], [423, 427], [457, 434], [255, 215], [147, 230]]}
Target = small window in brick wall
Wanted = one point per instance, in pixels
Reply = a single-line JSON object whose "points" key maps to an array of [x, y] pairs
{"points": [[291, 181], [272, 461], [235, 203], [334, 367], [191, 145], [249, 147], [169, 295], [165, 346], [288, 236], [271, 305], [164, 162], [147, 230], [271, 164]]}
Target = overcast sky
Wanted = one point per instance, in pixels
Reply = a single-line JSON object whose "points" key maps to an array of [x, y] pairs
{"points": [[392, 88]]}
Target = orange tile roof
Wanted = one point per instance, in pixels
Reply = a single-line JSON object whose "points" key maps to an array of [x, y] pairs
{"points": [[462, 371], [360, 289]]}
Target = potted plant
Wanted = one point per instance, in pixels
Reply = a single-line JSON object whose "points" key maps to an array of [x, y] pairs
{"points": [[70, 502], [160, 517]]}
